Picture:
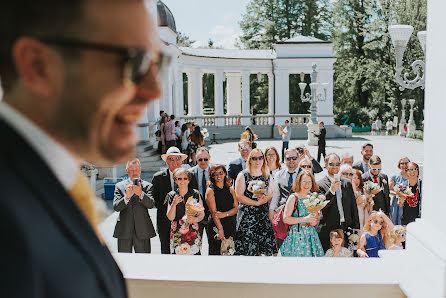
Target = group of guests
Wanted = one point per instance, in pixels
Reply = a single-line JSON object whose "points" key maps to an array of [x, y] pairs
{"points": [[353, 223]]}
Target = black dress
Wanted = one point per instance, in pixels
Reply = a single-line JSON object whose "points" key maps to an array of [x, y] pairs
{"points": [[254, 232], [224, 202], [412, 205]]}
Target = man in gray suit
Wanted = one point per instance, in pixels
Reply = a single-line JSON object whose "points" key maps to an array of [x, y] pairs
{"points": [[133, 198]]}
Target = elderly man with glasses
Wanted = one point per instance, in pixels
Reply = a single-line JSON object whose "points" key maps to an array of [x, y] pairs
{"points": [[381, 199], [238, 165], [341, 212], [163, 183]]}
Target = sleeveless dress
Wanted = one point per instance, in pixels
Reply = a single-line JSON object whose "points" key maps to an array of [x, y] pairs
{"points": [[185, 238], [374, 244], [254, 232], [224, 202], [301, 241], [396, 211]]}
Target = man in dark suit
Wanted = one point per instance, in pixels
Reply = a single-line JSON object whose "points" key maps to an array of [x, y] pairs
{"points": [[66, 99], [200, 177], [321, 141], [382, 199], [341, 212], [238, 165], [133, 197], [163, 183], [366, 152]]}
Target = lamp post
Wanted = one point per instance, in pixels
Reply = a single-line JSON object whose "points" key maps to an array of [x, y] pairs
{"points": [[313, 98]]}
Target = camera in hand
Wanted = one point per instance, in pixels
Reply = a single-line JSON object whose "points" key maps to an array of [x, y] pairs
{"points": [[135, 181], [300, 150]]}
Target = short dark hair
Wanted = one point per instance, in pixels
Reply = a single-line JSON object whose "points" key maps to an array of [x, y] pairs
{"points": [[365, 145], [287, 121], [161, 112], [172, 117], [375, 160], [44, 18]]}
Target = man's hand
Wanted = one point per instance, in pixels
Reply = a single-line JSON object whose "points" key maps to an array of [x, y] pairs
{"points": [[307, 153], [137, 189], [129, 193], [335, 185]]}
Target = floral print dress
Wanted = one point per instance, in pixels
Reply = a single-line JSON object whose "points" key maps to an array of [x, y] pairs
{"points": [[254, 232], [301, 240], [184, 237]]}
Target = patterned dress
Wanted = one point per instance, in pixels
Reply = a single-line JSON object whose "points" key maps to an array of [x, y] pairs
{"points": [[254, 233], [301, 241], [345, 253]]}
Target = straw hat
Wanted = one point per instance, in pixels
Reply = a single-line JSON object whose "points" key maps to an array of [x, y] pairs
{"points": [[173, 151]]}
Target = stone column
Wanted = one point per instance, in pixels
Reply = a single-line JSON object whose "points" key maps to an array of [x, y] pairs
{"points": [[194, 94], [233, 89], [403, 117], [271, 98], [411, 127], [179, 100], [245, 98], [218, 89], [282, 91]]}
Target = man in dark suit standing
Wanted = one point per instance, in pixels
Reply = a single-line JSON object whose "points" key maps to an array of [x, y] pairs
{"points": [[341, 212], [163, 183], [133, 197], [66, 99], [366, 152], [321, 141], [238, 165], [200, 178], [382, 199]]}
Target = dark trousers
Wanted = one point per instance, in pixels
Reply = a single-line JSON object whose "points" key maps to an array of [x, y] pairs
{"points": [[320, 151], [279, 243], [140, 245], [284, 147], [163, 226], [206, 227], [170, 143]]}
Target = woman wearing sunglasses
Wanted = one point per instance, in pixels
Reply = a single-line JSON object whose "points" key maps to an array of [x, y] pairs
{"points": [[184, 236], [305, 165], [221, 200], [254, 231], [272, 160], [412, 205], [396, 211], [375, 236]]}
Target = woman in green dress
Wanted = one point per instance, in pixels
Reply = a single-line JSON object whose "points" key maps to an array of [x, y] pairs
{"points": [[302, 239]]}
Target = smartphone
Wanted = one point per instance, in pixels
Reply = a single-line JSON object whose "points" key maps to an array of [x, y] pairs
{"points": [[135, 181], [337, 176]]}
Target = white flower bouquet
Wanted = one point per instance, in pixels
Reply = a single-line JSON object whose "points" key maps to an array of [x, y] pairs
{"points": [[257, 187], [315, 202], [402, 190], [372, 188], [193, 208], [227, 245], [204, 133]]}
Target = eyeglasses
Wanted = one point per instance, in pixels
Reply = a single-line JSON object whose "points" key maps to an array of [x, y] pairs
{"points": [[203, 159], [378, 222], [373, 169], [255, 158], [244, 146], [404, 163], [334, 164], [292, 158], [306, 166], [412, 170], [174, 158], [182, 178], [221, 173], [137, 61], [271, 154], [348, 174]]}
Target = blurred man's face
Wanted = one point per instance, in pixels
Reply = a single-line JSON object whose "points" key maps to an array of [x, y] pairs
{"points": [[333, 165], [244, 148], [134, 170], [375, 169], [348, 161], [98, 110], [291, 160], [367, 152], [174, 162], [203, 159]]}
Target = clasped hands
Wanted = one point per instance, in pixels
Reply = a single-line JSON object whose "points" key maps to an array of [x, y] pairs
{"points": [[312, 218], [134, 190]]}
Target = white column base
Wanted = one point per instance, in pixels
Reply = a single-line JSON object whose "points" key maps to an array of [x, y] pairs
{"points": [[411, 128], [401, 131], [312, 140]]}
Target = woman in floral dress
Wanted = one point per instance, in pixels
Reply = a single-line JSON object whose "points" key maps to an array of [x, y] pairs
{"points": [[254, 232], [184, 236], [302, 239]]}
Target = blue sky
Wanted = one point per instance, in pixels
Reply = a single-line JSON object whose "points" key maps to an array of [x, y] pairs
{"points": [[204, 19]]}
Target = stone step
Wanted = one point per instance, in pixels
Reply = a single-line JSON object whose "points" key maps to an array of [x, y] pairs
{"points": [[151, 152], [143, 147], [152, 163], [151, 169], [150, 158]]}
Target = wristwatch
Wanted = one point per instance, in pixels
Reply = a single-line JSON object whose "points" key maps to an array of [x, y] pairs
{"points": [[227, 214]]}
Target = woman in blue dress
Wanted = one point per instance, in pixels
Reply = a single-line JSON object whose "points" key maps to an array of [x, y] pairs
{"points": [[302, 239], [396, 211]]}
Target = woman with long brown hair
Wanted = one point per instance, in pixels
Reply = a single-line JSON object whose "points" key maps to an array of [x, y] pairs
{"points": [[196, 140], [272, 160]]}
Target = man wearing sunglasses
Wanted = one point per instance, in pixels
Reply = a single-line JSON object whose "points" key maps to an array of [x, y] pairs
{"points": [[200, 177], [381, 199], [76, 77], [238, 165], [341, 212]]}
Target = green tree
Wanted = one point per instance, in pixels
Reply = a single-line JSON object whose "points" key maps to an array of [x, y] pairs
{"points": [[184, 40]]}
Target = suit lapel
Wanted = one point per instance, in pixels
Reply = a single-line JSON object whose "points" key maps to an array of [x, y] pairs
{"points": [[61, 208]]}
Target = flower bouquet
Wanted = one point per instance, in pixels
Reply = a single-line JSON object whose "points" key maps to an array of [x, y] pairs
{"points": [[402, 190], [256, 187], [193, 208], [315, 202], [372, 188], [360, 199], [204, 133], [227, 245]]}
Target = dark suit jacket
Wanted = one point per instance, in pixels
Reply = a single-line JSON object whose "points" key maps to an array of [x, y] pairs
{"points": [[330, 214], [321, 136], [234, 168], [194, 185], [381, 199], [161, 187], [358, 165], [52, 251], [133, 216]]}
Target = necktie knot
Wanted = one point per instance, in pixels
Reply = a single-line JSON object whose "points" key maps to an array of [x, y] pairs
{"points": [[375, 179]]}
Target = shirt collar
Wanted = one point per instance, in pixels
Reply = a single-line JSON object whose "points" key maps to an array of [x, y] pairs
{"points": [[60, 161]]}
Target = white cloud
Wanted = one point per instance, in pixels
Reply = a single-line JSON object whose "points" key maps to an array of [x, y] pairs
{"points": [[224, 36]]}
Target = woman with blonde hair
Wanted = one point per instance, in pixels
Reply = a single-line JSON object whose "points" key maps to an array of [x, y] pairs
{"points": [[376, 235], [254, 231]]}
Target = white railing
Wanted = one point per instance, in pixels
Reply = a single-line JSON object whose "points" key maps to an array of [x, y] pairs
{"points": [[233, 120]]}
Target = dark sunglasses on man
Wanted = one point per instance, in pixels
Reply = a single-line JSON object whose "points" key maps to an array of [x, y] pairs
{"points": [[288, 158], [203, 159], [137, 61]]}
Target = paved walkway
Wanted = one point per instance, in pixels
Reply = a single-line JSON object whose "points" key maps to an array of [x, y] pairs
{"points": [[389, 148]]}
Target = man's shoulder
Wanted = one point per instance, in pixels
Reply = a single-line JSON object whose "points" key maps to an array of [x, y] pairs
{"points": [[160, 174], [122, 183], [323, 181], [194, 169], [357, 165], [237, 161]]}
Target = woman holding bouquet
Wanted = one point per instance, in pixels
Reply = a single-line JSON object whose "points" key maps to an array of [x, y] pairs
{"points": [[184, 236], [302, 239], [411, 204], [396, 211], [220, 198], [254, 232]]}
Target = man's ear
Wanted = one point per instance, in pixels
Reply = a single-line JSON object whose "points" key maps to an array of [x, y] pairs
{"points": [[38, 66]]}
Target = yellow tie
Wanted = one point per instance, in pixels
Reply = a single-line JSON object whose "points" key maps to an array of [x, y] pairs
{"points": [[84, 197]]}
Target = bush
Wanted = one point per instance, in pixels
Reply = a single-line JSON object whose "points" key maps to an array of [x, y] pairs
{"points": [[418, 135]]}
